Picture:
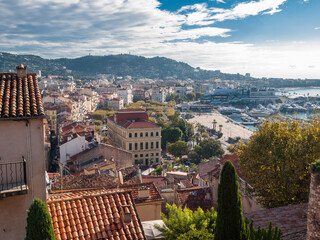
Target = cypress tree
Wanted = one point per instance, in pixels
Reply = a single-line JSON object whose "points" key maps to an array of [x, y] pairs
{"points": [[39, 225], [230, 224]]}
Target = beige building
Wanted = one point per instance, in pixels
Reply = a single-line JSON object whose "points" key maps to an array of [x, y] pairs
{"points": [[116, 103], [22, 152], [130, 129], [51, 115]]}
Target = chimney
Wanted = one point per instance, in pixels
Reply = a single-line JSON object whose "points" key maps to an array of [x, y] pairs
{"points": [[143, 192], [21, 71], [313, 205], [126, 214], [140, 175]]}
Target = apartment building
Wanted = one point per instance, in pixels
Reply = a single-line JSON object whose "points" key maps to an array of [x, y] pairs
{"points": [[126, 95], [130, 129], [22, 150], [158, 94], [116, 103]]}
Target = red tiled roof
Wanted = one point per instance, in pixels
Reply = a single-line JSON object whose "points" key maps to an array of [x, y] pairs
{"points": [[158, 181], [138, 123], [95, 216], [234, 158], [131, 110], [206, 167], [133, 188], [20, 97], [195, 197], [292, 220], [186, 183]]}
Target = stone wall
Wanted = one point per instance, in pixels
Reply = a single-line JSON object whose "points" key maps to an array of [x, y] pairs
{"points": [[314, 208], [122, 158]]}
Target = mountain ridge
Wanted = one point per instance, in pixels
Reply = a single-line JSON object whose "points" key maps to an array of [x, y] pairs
{"points": [[118, 65]]}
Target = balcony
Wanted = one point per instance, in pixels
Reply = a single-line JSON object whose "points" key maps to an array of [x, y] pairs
{"points": [[13, 179]]}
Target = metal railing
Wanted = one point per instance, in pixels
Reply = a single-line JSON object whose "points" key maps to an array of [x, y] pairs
{"points": [[13, 175]]}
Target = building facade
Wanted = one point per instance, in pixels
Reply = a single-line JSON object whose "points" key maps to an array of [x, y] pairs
{"points": [[130, 129], [22, 150], [116, 104], [126, 95], [158, 95]]}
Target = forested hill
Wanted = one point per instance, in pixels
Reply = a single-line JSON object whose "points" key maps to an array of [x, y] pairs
{"points": [[119, 65]]}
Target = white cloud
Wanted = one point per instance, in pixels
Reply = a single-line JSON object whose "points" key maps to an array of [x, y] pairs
{"points": [[317, 28], [74, 28], [200, 14], [219, 1]]}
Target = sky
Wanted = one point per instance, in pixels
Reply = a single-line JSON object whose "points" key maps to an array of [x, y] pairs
{"points": [[267, 38]]}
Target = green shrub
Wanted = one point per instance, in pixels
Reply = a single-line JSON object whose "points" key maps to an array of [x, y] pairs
{"points": [[39, 225], [315, 166]]}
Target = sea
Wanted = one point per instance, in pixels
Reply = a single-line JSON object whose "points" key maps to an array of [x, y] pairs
{"points": [[292, 93], [295, 92]]}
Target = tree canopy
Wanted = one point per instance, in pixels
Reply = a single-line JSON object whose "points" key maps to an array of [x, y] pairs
{"points": [[39, 225], [209, 148], [170, 135], [184, 224], [276, 160], [178, 148]]}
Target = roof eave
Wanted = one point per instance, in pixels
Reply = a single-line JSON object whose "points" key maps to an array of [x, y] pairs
{"points": [[22, 118]]}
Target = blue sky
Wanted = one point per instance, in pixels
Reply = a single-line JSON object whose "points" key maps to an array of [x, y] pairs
{"points": [[271, 38]]}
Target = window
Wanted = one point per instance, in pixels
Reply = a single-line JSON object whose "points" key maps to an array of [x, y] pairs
{"points": [[147, 155], [157, 144], [157, 154], [147, 145], [147, 161], [151, 134], [157, 134], [136, 155], [141, 155], [130, 146], [136, 161], [130, 135], [157, 160], [146, 134], [136, 146], [141, 146], [141, 134], [136, 135], [151, 154], [151, 145]]}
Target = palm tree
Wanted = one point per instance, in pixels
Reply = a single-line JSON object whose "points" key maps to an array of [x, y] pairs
{"points": [[220, 128], [214, 123]]}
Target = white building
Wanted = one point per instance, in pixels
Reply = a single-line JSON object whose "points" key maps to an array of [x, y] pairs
{"points": [[72, 147], [126, 95], [158, 94], [182, 91]]}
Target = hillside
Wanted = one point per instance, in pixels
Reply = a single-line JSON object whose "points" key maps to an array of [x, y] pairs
{"points": [[119, 65]]}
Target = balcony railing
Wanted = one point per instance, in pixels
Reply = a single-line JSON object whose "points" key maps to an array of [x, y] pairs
{"points": [[13, 178]]}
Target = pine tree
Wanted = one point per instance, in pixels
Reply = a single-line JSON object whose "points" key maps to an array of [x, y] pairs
{"points": [[230, 224], [39, 225]]}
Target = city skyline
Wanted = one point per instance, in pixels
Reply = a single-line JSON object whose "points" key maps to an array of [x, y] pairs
{"points": [[266, 38]]}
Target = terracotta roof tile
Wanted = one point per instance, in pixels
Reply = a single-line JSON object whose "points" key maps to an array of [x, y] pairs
{"points": [[110, 226], [292, 220], [20, 97], [154, 194], [195, 197]]}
